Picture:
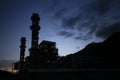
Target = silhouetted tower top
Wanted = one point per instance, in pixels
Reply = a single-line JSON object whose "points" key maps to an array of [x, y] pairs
{"points": [[35, 19], [35, 29], [22, 49]]}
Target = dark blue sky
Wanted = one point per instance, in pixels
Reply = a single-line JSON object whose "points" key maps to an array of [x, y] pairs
{"points": [[72, 24]]}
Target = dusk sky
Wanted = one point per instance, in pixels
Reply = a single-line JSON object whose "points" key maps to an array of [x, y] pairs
{"points": [[72, 24]]}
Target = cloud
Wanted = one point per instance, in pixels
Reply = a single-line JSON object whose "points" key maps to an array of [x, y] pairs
{"points": [[69, 23], [116, 17], [86, 35], [82, 37], [87, 19], [66, 34], [51, 7], [99, 7], [103, 6], [107, 31], [60, 13]]}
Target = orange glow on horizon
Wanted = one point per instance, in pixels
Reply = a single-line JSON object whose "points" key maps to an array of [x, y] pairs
{"points": [[9, 69]]}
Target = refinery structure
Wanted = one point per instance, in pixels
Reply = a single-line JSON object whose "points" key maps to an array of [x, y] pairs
{"points": [[41, 56]]}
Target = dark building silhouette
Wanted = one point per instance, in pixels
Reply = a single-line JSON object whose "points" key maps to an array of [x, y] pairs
{"points": [[49, 52], [22, 49], [22, 54], [34, 58], [43, 55], [35, 30]]}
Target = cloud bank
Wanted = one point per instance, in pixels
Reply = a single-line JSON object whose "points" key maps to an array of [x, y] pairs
{"points": [[97, 18]]}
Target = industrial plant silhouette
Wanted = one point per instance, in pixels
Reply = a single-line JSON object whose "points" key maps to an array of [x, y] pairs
{"points": [[44, 58], [43, 55]]}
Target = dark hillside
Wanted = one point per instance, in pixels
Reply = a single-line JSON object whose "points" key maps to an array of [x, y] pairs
{"points": [[99, 55]]}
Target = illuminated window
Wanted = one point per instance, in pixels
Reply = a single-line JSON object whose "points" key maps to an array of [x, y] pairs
{"points": [[52, 46]]}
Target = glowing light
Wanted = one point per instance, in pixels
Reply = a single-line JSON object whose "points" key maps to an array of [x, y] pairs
{"points": [[9, 69]]}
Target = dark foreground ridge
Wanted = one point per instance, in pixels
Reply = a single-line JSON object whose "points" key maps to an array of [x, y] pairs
{"points": [[8, 76], [81, 74]]}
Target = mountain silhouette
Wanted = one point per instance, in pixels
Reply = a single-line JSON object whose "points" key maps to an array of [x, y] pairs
{"points": [[98, 55], [108, 47]]}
